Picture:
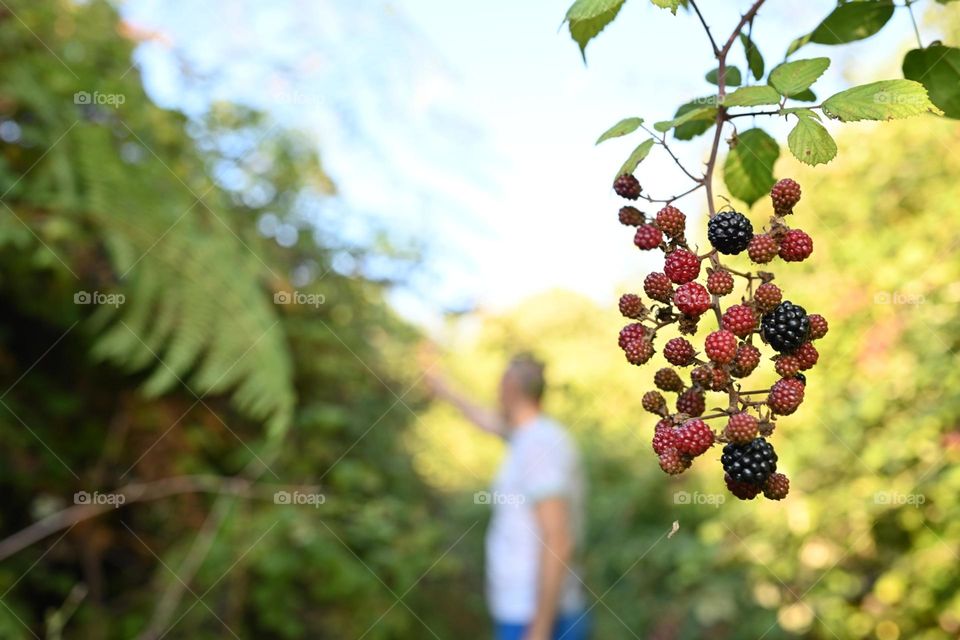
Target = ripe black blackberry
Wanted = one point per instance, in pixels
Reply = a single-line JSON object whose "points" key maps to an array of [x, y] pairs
{"points": [[750, 463], [785, 195], [786, 327], [627, 186], [729, 232]]}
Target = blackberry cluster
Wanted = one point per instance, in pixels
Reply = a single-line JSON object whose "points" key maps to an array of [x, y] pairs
{"points": [[720, 357]]}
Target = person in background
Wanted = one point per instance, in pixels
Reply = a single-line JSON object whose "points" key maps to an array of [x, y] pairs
{"points": [[533, 588]]}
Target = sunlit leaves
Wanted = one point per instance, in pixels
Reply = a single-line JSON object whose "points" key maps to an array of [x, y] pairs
{"points": [[622, 128], [672, 5], [850, 21], [791, 78], [752, 96], [809, 141], [754, 59], [731, 76], [587, 18], [884, 100], [748, 169], [693, 128], [641, 152], [938, 69], [696, 114]]}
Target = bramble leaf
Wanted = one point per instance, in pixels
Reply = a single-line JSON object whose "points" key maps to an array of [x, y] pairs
{"points": [[883, 100], [810, 142], [622, 128], [748, 169], [938, 69], [641, 152], [587, 18]]}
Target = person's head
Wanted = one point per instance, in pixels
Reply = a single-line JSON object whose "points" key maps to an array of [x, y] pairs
{"points": [[521, 389]]}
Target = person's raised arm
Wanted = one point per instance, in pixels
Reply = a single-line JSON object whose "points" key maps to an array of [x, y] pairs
{"points": [[482, 417]]}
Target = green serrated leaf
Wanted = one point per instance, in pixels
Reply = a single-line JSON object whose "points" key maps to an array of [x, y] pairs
{"points": [[748, 169], [622, 128], [810, 142], [641, 152], [587, 18], [699, 113], [801, 112], [754, 59], [692, 129], [938, 69], [853, 21], [791, 78], [731, 76], [752, 96], [796, 44], [807, 95], [672, 5], [884, 100]]}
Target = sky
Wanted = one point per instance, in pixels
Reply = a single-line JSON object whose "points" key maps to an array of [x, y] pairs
{"points": [[467, 129]]}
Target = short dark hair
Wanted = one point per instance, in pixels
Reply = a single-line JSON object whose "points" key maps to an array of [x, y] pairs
{"points": [[529, 374]]}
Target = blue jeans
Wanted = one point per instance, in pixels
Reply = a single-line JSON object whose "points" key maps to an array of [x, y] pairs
{"points": [[569, 626]]}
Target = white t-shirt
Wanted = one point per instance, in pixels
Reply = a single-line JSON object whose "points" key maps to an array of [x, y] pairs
{"points": [[542, 462]]}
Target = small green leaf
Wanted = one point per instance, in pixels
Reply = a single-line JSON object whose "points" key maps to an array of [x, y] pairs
{"points": [[731, 76], [884, 100], [622, 128], [810, 143], [673, 5], [807, 95], [700, 113], [692, 129], [754, 59], [752, 96], [853, 21], [938, 69], [791, 78], [636, 157], [796, 44], [801, 112], [587, 18], [748, 169]]}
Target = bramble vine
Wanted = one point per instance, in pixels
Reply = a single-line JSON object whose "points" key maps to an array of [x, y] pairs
{"points": [[729, 354]]}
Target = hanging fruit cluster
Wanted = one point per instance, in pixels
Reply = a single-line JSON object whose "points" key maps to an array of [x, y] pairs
{"points": [[686, 290]]}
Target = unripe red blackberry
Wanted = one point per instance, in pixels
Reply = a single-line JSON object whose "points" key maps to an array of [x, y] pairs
{"points": [[631, 306], [729, 232], [763, 248], [681, 266], [748, 358], [785, 195], [672, 462], [692, 299], [631, 216], [767, 297], [654, 403], [679, 352], [742, 490], [658, 286], [694, 437], [664, 439], [785, 396], [691, 402], [720, 379], [740, 320], [720, 283], [807, 355], [639, 351], [776, 487], [818, 326], [627, 186], [663, 423], [795, 246], [752, 462], [721, 346], [671, 221], [647, 237], [702, 376], [741, 428], [631, 333], [787, 366], [668, 380]]}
